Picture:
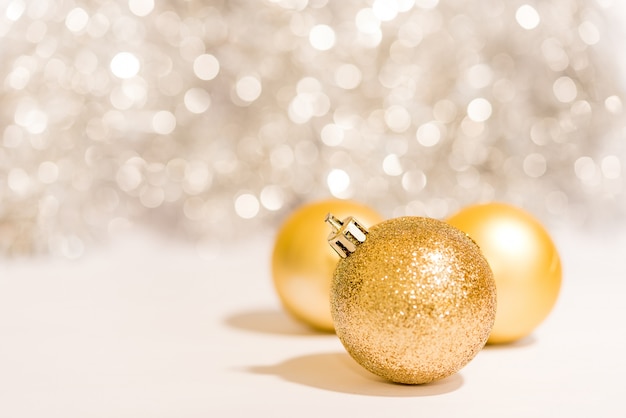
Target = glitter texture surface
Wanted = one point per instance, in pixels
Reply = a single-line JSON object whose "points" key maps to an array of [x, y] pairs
{"points": [[415, 302]]}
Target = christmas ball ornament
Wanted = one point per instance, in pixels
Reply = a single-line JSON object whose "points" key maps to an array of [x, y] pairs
{"points": [[413, 300], [303, 264], [525, 264]]}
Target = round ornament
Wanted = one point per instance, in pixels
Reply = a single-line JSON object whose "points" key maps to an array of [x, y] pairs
{"points": [[413, 300], [525, 264], [303, 264]]}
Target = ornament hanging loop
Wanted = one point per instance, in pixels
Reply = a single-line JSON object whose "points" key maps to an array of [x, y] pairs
{"points": [[346, 235]]}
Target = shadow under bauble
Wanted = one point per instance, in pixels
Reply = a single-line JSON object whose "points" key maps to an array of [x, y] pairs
{"points": [[338, 372], [271, 321]]}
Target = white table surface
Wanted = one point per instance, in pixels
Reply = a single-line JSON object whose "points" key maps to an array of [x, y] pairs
{"points": [[147, 328]]}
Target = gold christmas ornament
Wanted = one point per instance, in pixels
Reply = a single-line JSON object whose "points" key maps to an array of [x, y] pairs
{"points": [[303, 264], [524, 261], [413, 300]]}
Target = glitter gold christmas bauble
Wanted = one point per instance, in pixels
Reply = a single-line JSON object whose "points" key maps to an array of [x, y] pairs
{"points": [[303, 263], [413, 299], [524, 261]]}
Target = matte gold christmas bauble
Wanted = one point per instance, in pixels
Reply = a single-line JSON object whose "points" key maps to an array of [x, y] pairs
{"points": [[524, 261], [303, 263], [413, 299]]}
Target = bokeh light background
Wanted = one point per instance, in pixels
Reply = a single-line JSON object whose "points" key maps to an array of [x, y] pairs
{"points": [[211, 120]]}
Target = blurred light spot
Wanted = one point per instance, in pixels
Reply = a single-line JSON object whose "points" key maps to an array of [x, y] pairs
{"points": [[589, 33], [580, 108], [404, 5], [542, 132], [272, 197], [565, 89], [15, 10], [18, 78], [428, 134], [141, 7], [206, 67], [332, 135], [248, 88], [48, 172], [611, 167], [411, 33], [129, 94], [414, 181], [527, 17], [301, 108], [392, 165], [163, 122], [135, 90], [175, 169], [30, 117], [338, 182], [125, 65], [348, 76], [426, 4], [322, 37], [472, 128], [309, 85], [367, 22], [119, 100], [293, 4], [76, 19], [371, 40], [197, 100], [479, 76], [197, 177], [479, 110], [534, 165], [191, 47], [385, 10], [247, 206], [152, 196], [19, 181], [397, 118], [585, 169], [613, 104], [128, 177], [98, 25], [310, 101]]}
